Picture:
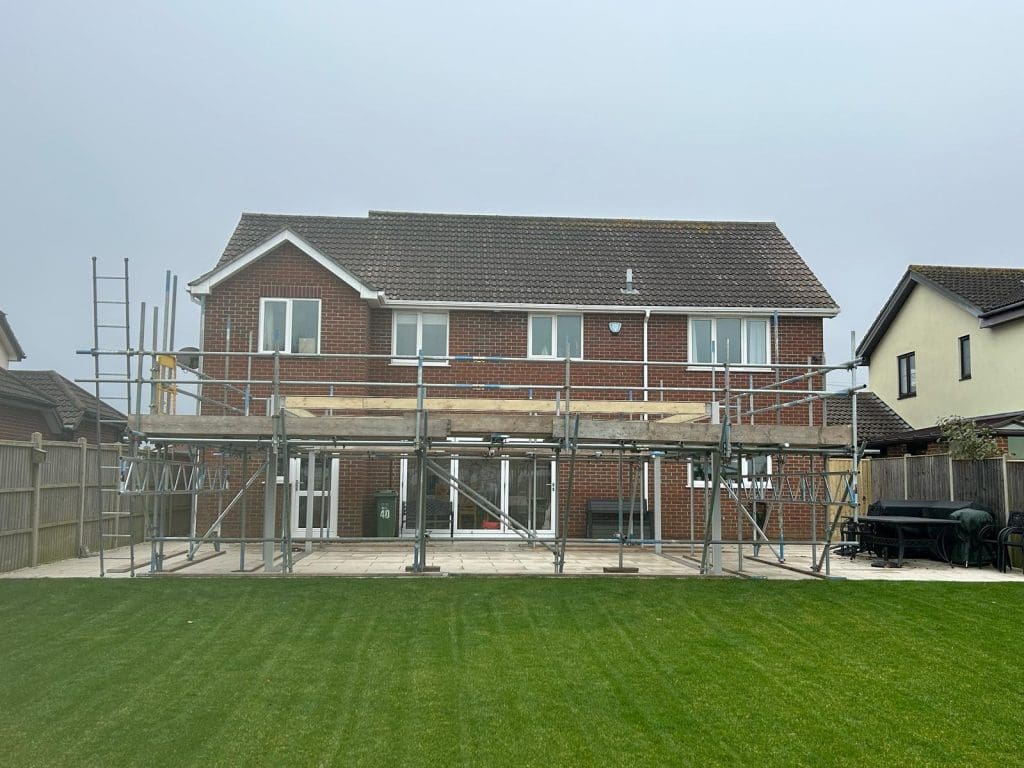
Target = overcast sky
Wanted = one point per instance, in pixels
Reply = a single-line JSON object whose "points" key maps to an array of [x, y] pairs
{"points": [[876, 134]]}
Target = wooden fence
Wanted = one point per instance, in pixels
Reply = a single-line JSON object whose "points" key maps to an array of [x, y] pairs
{"points": [[995, 484], [48, 501]]}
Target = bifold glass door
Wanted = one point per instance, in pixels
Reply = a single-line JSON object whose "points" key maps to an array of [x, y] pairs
{"points": [[520, 487]]}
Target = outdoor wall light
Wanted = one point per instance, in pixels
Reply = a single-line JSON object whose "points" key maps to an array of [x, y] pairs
{"points": [[615, 326]]}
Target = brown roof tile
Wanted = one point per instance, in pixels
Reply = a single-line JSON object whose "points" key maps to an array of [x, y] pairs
{"points": [[538, 260]]}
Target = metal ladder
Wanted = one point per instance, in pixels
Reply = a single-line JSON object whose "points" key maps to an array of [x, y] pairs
{"points": [[108, 386]]}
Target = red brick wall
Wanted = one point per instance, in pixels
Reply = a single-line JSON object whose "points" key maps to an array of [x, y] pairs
{"points": [[20, 423], [350, 325]]}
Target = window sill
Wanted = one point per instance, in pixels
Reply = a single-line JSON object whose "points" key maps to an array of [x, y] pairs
{"points": [[733, 368], [907, 396], [966, 378], [426, 363]]}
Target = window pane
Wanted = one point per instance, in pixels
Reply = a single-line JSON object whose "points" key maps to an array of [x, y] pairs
{"points": [[540, 330], [965, 357], [570, 335], [435, 334], [305, 326], [405, 333], [758, 465], [729, 341], [273, 325], [911, 361], [757, 342], [701, 352]]}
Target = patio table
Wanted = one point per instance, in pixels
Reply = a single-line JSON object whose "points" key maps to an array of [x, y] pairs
{"points": [[901, 532]]}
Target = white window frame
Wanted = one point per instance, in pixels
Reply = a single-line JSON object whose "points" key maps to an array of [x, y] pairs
{"points": [[744, 320], [419, 336], [744, 471], [289, 303], [554, 334]]}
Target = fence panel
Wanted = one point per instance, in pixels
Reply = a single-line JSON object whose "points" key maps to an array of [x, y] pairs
{"points": [[887, 479], [982, 483], [66, 519], [1015, 483], [928, 477]]}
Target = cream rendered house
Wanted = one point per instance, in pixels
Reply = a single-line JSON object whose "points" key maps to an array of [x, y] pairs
{"points": [[950, 340]]}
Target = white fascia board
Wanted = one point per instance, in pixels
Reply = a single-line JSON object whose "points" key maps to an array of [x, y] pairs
{"points": [[611, 308], [203, 285]]}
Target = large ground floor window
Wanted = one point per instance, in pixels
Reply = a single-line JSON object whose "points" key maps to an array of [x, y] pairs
{"points": [[522, 487]]}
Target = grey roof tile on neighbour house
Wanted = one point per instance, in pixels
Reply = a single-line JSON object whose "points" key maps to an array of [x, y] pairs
{"points": [[994, 295], [987, 288], [12, 389], [875, 419], [554, 261], [73, 403]]}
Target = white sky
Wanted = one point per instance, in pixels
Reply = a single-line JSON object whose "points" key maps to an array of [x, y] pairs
{"points": [[877, 134]]}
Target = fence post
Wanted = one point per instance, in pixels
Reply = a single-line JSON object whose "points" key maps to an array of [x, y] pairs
{"points": [[1006, 492], [949, 463], [38, 456], [83, 446], [906, 479]]}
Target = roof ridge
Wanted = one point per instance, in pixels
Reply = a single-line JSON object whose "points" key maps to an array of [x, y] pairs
{"points": [[915, 267], [597, 219]]}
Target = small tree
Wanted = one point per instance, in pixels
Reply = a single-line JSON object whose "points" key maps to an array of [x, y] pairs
{"points": [[967, 439]]}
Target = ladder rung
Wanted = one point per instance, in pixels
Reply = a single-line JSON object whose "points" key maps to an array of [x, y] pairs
{"points": [[107, 325], [118, 535], [111, 277], [104, 301]]}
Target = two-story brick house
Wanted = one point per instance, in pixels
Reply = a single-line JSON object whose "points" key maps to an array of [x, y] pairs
{"points": [[667, 303]]}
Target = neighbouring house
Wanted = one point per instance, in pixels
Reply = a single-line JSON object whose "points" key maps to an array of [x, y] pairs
{"points": [[46, 402], [390, 285], [947, 342], [74, 406], [10, 349]]}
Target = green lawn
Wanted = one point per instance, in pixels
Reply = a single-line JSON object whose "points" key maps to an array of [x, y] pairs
{"points": [[520, 672]]}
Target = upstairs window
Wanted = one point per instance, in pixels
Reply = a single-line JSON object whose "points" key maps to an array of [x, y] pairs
{"points": [[290, 325], [415, 332], [965, 357], [733, 340], [907, 368], [556, 336]]}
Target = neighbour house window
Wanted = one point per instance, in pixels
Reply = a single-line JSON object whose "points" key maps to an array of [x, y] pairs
{"points": [[736, 340], [965, 357], [554, 336], [290, 325], [415, 332], [755, 470], [907, 368], [1015, 447]]}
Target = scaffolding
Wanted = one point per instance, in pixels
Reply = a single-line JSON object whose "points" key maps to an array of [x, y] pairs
{"points": [[268, 427]]}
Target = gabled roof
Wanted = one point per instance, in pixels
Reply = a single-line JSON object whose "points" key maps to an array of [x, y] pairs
{"points": [[73, 403], [8, 339], [424, 258], [992, 294], [875, 419]]}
